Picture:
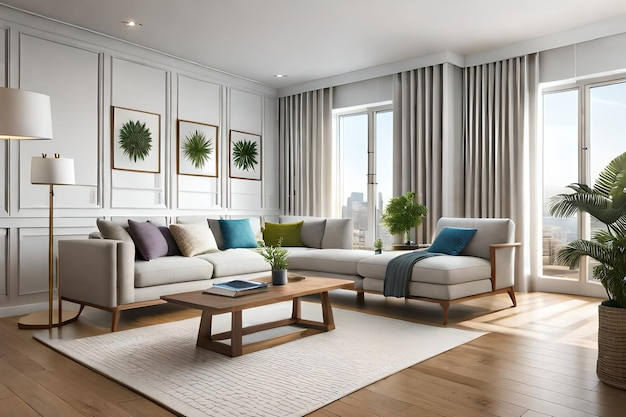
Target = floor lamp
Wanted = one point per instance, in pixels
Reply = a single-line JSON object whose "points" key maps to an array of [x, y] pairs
{"points": [[50, 171], [27, 115]]}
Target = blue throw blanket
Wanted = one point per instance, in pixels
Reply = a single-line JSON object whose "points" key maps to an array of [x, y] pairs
{"points": [[398, 272]]}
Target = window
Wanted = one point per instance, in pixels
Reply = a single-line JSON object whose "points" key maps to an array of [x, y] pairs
{"points": [[560, 168], [583, 127], [364, 139]]}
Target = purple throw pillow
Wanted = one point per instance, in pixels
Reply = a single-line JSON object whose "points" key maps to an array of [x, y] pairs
{"points": [[148, 239], [172, 247]]}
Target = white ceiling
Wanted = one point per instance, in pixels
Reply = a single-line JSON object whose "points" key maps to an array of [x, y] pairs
{"points": [[313, 39]]}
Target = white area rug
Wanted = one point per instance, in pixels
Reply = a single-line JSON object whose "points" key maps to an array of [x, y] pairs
{"points": [[163, 363]]}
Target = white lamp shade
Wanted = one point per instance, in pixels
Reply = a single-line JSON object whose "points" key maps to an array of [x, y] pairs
{"points": [[24, 115], [56, 171]]}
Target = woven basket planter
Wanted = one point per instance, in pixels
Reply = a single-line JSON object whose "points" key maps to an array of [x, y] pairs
{"points": [[611, 366]]}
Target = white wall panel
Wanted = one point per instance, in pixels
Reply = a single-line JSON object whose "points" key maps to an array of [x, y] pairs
{"points": [[200, 101], [33, 261], [138, 86], [4, 275], [197, 192], [4, 59], [271, 180], [143, 88], [69, 75], [246, 111], [137, 190], [246, 115], [33, 256], [246, 194]]}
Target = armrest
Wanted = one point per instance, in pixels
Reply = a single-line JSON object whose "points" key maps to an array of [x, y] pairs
{"points": [[100, 272], [502, 258]]}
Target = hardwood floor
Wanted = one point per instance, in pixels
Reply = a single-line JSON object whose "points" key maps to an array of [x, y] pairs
{"points": [[537, 360]]}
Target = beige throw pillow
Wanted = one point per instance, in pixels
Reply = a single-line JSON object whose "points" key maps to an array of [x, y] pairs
{"points": [[194, 239], [110, 230]]}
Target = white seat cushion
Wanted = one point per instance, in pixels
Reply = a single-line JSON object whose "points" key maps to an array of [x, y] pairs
{"points": [[444, 269], [171, 269], [339, 261], [235, 262]]}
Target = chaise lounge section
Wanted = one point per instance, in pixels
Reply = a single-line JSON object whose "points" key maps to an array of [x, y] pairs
{"points": [[485, 266]]}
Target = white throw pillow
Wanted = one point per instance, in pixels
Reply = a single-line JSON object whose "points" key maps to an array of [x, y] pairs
{"points": [[194, 239]]}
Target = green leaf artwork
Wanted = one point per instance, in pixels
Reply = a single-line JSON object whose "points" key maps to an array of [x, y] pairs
{"points": [[245, 154], [197, 148], [135, 140]]}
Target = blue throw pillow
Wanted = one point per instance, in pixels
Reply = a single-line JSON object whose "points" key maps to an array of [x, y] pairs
{"points": [[452, 240], [237, 233]]}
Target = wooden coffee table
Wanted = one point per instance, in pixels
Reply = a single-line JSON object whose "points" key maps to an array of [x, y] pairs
{"points": [[292, 291]]}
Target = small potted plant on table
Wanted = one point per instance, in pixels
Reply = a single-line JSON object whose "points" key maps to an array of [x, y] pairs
{"points": [[378, 246], [276, 256]]}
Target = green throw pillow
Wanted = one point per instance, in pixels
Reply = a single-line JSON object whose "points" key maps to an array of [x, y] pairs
{"points": [[290, 232]]}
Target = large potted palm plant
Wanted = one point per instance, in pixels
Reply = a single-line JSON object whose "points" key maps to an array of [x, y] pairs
{"points": [[606, 202]]}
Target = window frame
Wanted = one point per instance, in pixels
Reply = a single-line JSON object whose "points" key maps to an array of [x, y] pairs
{"points": [[338, 182], [584, 284]]}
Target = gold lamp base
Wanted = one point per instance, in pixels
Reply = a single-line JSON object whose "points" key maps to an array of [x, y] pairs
{"points": [[40, 319]]}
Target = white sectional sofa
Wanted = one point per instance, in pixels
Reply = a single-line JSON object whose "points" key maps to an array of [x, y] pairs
{"points": [[106, 274]]}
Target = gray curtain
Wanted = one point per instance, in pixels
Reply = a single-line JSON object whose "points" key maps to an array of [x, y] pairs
{"points": [[417, 141], [499, 113], [305, 146]]}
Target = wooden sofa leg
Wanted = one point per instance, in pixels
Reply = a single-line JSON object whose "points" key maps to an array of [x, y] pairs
{"points": [[445, 306], [512, 295], [115, 319], [360, 297]]}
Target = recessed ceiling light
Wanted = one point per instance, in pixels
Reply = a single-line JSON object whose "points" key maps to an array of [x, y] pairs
{"points": [[280, 75], [131, 23]]}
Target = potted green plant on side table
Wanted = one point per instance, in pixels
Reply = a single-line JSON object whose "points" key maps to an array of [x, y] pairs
{"points": [[378, 246], [402, 214], [606, 202], [276, 256]]}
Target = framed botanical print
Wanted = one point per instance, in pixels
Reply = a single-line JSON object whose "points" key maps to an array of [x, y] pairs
{"points": [[245, 155], [136, 140], [197, 149]]}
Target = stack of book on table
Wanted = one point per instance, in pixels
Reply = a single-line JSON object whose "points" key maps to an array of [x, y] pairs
{"points": [[236, 288]]}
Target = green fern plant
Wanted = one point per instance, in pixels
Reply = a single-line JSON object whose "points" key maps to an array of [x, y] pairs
{"points": [[245, 154], [276, 256], [606, 201], [135, 140], [197, 148]]}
